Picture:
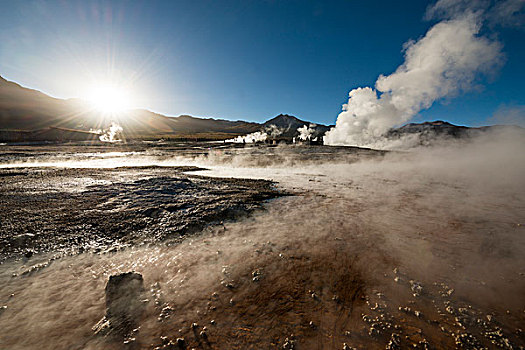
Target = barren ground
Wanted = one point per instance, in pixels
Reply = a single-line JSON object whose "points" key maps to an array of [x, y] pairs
{"points": [[369, 251]]}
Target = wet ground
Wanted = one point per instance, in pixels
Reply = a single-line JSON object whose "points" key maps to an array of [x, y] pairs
{"points": [[77, 210], [371, 251]]}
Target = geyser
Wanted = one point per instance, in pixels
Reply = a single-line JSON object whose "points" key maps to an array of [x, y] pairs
{"points": [[443, 63]]}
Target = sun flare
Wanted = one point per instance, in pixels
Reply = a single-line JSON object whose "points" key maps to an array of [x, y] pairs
{"points": [[108, 99]]}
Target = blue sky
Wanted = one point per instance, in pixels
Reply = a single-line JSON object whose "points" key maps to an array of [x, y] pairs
{"points": [[247, 60]]}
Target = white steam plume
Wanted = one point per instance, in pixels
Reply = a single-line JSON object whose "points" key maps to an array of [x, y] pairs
{"points": [[258, 136], [443, 63], [111, 133], [273, 130], [306, 132], [504, 13]]}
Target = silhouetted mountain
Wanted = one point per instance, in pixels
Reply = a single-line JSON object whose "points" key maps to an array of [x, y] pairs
{"points": [[286, 122], [288, 125], [27, 114], [30, 115]]}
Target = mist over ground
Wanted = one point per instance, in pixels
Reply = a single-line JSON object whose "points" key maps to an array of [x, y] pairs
{"points": [[368, 234], [373, 249]]}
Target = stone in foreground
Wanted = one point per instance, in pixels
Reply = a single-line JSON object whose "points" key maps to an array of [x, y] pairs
{"points": [[123, 304]]}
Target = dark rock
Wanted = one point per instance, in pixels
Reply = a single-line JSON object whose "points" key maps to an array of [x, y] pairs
{"points": [[21, 240], [123, 304], [181, 343]]}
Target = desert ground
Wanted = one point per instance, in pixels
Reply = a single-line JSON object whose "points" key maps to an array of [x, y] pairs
{"points": [[259, 247]]}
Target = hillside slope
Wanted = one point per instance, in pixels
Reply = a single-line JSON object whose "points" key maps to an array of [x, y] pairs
{"points": [[26, 111]]}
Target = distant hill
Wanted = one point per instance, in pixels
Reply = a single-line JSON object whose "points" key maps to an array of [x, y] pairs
{"points": [[286, 122], [288, 126], [437, 127], [30, 115], [429, 132], [27, 114]]}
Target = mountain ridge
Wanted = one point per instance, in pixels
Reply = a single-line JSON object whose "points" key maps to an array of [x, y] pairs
{"points": [[31, 115], [30, 110]]}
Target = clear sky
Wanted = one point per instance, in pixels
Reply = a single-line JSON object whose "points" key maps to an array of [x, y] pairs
{"points": [[243, 59]]}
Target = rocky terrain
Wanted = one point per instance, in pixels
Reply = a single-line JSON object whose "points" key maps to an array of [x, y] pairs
{"points": [[63, 210], [373, 250]]}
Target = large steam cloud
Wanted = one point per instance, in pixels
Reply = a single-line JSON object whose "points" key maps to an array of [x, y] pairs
{"points": [[445, 62]]}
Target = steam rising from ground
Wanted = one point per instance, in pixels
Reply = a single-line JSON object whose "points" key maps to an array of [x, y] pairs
{"points": [[451, 214], [111, 134], [258, 136], [306, 132], [273, 130], [442, 64]]}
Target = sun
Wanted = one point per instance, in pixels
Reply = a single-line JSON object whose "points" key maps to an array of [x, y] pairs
{"points": [[108, 99]]}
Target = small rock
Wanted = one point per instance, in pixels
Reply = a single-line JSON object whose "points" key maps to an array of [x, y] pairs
{"points": [[289, 344], [129, 340], [394, 342], [228, 285], [416, 288], [181, 343], [123, 304], [165, 340]]}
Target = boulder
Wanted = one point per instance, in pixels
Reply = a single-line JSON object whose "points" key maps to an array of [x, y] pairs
{"points": [[123, 304]]}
